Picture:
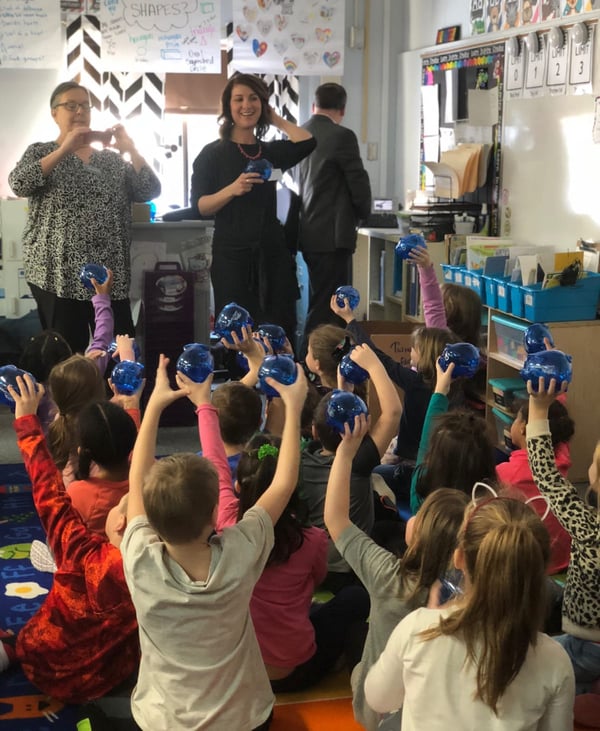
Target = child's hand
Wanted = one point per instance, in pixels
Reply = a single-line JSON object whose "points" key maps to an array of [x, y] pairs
{"points": [[106, 286], [124, 349], [131, 401], [241, 345], [28, 397], [163, 395], [342, 383], [365, 357], [198, 393], [294, 395], [539, 402], [443, 379], [345, 312], [421, 257], [351, 440]]}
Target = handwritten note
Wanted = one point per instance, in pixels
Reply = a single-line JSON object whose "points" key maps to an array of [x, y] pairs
{"points": [[30, 34], [163, 35]]}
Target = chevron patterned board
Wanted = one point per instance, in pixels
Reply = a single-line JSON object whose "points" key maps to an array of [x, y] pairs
{"points": [[119, 97]]}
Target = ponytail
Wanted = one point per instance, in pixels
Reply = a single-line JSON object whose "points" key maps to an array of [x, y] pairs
{"points": [[506, 549]]}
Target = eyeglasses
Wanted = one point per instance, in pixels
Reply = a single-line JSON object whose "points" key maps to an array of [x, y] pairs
{"points": [[74, 106]]}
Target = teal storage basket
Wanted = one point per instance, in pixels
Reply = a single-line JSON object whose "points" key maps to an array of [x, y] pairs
{"points": [[563, 304], [517, 297], [503, 295]]}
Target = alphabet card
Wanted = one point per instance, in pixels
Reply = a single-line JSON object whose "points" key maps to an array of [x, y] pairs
{"points": [[289, 37]]}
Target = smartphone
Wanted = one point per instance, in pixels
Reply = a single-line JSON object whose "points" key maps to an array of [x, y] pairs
{"points": [[98, 136]]}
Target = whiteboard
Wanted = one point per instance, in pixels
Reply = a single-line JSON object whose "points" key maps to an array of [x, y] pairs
{"points": [[551, 169]]}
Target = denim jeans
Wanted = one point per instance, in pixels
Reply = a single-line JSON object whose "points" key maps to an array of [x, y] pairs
{"points": [[585, 656]]}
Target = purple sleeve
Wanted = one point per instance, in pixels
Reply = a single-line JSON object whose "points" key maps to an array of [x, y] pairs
{"points": [[213, 449], [104, 331], [431, 296]]}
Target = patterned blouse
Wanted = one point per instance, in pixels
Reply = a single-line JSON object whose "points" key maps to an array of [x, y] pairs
{"points": [[80, 213]]}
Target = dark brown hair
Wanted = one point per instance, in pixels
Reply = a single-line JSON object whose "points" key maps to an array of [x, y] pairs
{"points": [[562, 427], [240, 411], [463, 312], [259, 87]]}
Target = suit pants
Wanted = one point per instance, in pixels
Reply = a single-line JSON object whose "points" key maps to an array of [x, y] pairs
{"points": [[326, 272]]}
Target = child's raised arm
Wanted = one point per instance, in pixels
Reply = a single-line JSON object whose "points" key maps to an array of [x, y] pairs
{"points": [[143, 452], [388, 422], [337, 499], [277, 495]]}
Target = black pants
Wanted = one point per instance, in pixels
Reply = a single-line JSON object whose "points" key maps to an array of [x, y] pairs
{"points": [[326, 272], [340, 629], [74, 319]]}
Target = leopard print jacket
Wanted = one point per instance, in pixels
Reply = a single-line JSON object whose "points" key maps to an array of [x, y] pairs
{"points": [[581, 603]]}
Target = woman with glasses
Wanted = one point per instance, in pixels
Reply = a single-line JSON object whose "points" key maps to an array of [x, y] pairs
{"points": [[79, 212]]}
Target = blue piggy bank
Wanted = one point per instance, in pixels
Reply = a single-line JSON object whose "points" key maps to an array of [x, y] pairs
{"points": [[342, 409], [263, 167], [549, 364], [351, 371], [196, 362], [465, 358], [8, 377], [533, 338], [275, 335], [127, 377], [280, 367], [407, 244], [349, 293], [93, 271], [112, 351], [232, 318]]}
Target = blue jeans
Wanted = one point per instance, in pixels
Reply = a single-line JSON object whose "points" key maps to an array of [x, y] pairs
{"points": [[585, 656]]}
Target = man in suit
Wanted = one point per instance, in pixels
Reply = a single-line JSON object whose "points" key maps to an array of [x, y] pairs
{"points": [[336, 195]]}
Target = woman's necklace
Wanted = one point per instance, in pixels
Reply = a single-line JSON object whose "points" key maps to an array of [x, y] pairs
{"points": [[246, 155]]}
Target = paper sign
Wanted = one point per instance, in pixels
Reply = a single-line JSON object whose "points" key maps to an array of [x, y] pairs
{"points": [[556, 71], [535, 67], [140, 35], [515, 74], [580, 66], [30, 34], [483, 107]]}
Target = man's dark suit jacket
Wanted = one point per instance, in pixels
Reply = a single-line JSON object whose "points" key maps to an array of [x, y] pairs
{"points": [[334, 187]]}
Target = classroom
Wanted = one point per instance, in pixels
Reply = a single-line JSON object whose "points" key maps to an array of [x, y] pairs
{"points": [[478, 127]]}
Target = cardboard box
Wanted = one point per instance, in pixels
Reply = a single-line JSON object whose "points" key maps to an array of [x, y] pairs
{"points": [[394, 339]]}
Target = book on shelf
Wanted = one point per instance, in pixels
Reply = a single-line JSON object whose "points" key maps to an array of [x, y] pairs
{"points": [[414, 291], [461, 170]]}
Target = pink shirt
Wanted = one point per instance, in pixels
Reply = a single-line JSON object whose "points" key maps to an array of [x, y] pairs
{"points": [[517, 473]]}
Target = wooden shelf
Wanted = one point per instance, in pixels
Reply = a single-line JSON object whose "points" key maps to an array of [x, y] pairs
{"points": [[581, 340]]}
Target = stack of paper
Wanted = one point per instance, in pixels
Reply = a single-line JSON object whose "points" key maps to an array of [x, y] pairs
{"points": [[461, 170]]}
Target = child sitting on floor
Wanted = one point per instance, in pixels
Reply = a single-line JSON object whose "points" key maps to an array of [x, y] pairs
{"points": [[82, 642], [396, 586], [201, 666]]}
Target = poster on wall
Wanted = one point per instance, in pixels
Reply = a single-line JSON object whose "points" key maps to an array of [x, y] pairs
{"points": [[287, 37], [170, 36], [30, 36]]}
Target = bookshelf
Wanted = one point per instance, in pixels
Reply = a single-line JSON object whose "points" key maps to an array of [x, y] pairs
{"points": [[581, 339], [387, 286]]}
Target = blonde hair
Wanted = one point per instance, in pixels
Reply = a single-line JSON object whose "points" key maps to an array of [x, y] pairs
{"points": [[506, 550], [595, 486], [180, 494], [435, 536], [429, 342]]}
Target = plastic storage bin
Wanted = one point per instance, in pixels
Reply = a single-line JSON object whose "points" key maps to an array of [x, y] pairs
{"points": [[508, 392], [491, 289], [503, 295], [459, 275], [503, 425], [563, 304], [509, 338], [477, 285], [517, 296], [448, 270]]}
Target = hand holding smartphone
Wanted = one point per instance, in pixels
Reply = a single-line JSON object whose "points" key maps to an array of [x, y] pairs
{"points": [[98, 136]]}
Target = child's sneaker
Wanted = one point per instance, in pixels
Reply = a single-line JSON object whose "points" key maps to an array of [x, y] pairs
{"points": [[41, 558]]}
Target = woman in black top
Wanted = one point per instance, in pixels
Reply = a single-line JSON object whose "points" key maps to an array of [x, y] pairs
{"points": [[251, 262]]}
